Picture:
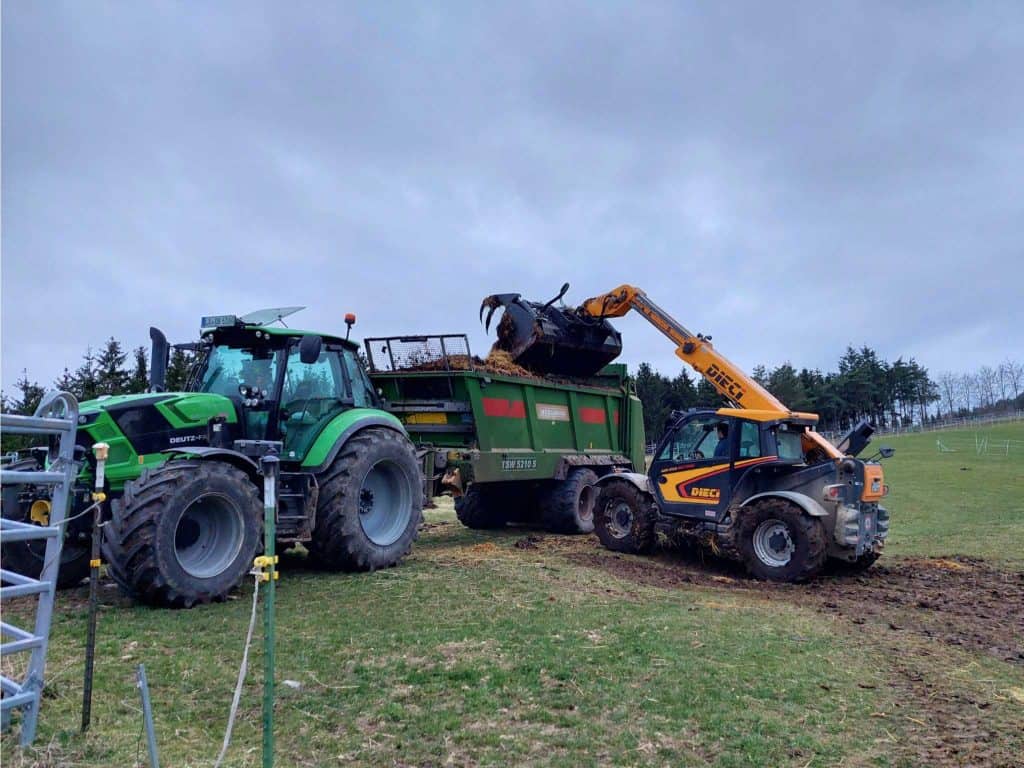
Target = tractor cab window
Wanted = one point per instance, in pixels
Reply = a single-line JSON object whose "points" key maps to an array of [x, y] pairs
{"points": [[362, 388], [702, 437], [311, 395], [226, 368]]}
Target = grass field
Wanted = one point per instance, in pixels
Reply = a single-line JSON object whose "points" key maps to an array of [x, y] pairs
{"points": [[520, 648]]}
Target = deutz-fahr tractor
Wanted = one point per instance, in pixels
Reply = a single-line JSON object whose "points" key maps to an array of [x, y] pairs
{"points": [[185, 518]]}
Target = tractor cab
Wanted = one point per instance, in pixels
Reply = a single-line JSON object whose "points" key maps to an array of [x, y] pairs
{"points": [[285, 384], [706, 456]]}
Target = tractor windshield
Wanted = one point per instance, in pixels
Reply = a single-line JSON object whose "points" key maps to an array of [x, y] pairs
{"points": [[225, 368]]}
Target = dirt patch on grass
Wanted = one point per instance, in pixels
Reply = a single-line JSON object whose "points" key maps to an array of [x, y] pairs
{"points": [[958, 601], [905, 606]]}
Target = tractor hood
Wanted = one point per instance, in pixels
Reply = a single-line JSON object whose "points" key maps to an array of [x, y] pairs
{"points": [[139, 427]]}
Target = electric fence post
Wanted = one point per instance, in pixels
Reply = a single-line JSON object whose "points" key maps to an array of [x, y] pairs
{"points": [[100, 451], [269, 466]]}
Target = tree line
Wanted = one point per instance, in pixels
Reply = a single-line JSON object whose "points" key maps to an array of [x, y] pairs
{"points": [[110, 371], [864, 385]]}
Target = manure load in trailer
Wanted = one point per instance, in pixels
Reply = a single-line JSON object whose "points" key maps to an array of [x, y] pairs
{"points": [[510, 445]]}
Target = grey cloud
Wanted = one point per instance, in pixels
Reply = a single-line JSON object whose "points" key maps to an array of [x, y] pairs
{"points": [[790, 179]]}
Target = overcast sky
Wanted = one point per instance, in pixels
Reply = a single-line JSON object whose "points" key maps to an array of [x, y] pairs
{"points": [[789, 179]]}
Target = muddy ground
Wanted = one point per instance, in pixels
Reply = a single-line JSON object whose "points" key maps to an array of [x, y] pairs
{"points": [[903, 606]]}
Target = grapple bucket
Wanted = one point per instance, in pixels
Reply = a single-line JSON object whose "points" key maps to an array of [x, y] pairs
{"points": [[551, 340]]}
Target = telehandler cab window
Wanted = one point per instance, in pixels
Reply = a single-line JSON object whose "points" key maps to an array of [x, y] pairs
{"points": [[790, 447], [695, 440], [750, 440]]}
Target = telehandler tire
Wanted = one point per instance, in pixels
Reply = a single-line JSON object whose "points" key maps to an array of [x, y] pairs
{"points": [[568, 506], [624, 518], [861, 564], [481, 509], [780, 542], [26, 557], [184, 533], [370, 504]]}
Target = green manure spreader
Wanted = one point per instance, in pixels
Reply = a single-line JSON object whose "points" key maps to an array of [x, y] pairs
{"points": [[510, 447], [185, 520]]}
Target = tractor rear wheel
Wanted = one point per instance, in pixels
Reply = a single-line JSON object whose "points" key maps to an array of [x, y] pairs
{"points": [[624, 518], [568, 506], [370, 504], [26, 557], [184, 533], [780, 542]]}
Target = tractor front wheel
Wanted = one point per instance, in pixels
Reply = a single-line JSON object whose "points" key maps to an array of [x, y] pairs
{"points": [[184, 533], [26, 557], [780, 542], [370, 504]]}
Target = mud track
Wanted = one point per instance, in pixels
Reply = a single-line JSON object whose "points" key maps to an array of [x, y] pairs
{"points": [[904, 607]]}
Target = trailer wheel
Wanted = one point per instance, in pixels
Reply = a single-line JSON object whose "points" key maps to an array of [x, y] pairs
{"points": [[624, 518], [184, 533], [480, 508], [370, 505], [568, 505], [780, 542], [26, 557]]}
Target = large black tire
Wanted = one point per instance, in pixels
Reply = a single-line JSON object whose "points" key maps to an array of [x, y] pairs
{"points": [[624, 518], [26, 557], [778, 541], [370, 505], [568, 505], [847, 568], [481, 508], [184, 533]]}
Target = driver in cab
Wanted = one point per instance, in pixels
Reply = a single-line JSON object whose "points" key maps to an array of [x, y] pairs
{"points": [[722, 449]]}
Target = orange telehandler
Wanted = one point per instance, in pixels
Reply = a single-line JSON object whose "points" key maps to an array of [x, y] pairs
{"points": [[754, 481]]}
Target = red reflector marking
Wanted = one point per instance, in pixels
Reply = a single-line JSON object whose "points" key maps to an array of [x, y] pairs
{"points": [[509, 409], [592, 415], [615, 417]]}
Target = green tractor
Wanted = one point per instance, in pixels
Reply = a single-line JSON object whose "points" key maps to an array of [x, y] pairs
{"points": [[186, 513]]}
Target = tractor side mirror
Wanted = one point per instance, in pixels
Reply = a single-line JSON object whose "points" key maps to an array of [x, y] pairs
{"points": [[886, 452], [309, 349]]}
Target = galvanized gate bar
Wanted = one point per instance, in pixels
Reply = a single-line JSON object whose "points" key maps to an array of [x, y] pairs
{"points": [[57, 414]]}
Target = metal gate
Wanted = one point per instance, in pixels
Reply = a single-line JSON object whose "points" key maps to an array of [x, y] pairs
{"points": [[57, 415]]}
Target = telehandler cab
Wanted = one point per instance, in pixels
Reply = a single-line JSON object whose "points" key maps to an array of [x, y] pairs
{"points": [[183, 468]]}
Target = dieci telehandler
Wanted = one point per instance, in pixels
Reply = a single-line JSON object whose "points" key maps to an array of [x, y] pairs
{"points": [[754, 482]]}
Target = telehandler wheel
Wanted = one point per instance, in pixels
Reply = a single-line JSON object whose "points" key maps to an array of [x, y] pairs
{"points": [[481, 508], [568, 506], [26, 557], [780, 542], [624, 518], [184, 533], [861, 564], [370, 504]]}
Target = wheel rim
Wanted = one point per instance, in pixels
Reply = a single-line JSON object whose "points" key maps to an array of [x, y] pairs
{"points": [[385, 503], [620, 519], [208, 536], [585, 508], [772, 543]]}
